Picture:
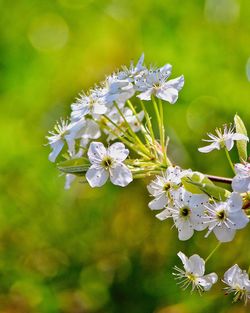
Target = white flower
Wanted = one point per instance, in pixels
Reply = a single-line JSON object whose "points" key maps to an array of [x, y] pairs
{"points": [[224, 218], [62, 133], [108, 163], [193, 273], [92, 104], [223, 139], [241, 182], [132, 72], [187, 211], [154, 82], [238, 283], [117, 90], [161, 187]]}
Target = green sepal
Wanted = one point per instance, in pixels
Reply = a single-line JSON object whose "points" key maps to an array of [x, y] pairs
{"points": [[241, 144], [77, 166]]}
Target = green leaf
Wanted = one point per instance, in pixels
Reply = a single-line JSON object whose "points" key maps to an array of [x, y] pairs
{"points": [[198, 183], [75, 166], [241, 144]]}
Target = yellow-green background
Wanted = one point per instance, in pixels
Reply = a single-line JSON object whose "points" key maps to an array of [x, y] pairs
{"points": [[102, 250]]}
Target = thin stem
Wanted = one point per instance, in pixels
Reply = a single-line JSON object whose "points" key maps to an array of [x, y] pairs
{"points": [[229, 160], [159, 120], [219, 179], [163, 130], [125, 141], [149, 124], [214, 250], [132, 133], [143, 130], [119, 128]]}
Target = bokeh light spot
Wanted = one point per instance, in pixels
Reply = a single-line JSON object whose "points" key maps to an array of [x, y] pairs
{"points": [[222, 11], [248, 69], [48, 33]]}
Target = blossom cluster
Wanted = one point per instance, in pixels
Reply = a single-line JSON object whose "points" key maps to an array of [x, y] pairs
{"points": [[110, 135]]}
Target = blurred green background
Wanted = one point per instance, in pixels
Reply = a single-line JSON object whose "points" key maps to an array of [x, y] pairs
{"points": [[102, 250]]}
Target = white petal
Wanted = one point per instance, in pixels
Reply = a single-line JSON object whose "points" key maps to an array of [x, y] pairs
{"points": [[183, 258], [70, 139], [176, 83], [118, 152], [159, 202], [239, 219], [198, 221], [238, 136], [68, 181], [185, 230], [208, 280], [229, 143], [194, 200], [197, 265], [163, 215], [242, 169], [57, 147], [241, 184], [99, 109], [235, 202], [231, 275], [120, 175], [146, 95], [167, 68], [97, 176], [209, 148], [91, 130], [139, 64], [169, 94], [224, 234], [96, 152]]}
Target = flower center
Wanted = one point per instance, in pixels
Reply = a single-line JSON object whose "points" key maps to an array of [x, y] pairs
{"points": [[221, 215], [107, 162], [184, 212], [166, 187], [191, 277]]}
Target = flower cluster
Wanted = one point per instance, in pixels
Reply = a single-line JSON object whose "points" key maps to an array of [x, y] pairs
{"points": [[110, 135]]}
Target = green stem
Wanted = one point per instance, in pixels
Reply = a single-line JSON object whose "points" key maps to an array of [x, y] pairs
{"points": [[148, 120], [119, 128], [131, 132], [163, 131], [143, 130], [125, 141], [158, 116], [230, 160], [214, 250]]}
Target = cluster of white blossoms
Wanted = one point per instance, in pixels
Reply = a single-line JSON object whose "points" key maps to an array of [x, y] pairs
{"points": [[110, 135]]}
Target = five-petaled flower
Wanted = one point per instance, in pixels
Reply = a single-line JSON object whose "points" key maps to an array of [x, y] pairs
{"points": [[224, 218], [108, 163], [223, 139], [187, 211], [193, 273], [238, 283], [154, 82]]}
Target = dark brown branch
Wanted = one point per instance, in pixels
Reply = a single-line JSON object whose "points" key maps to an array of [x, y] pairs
{"points": [[219, 179]]}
